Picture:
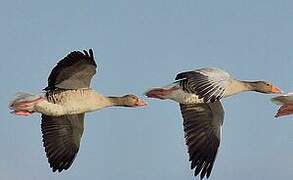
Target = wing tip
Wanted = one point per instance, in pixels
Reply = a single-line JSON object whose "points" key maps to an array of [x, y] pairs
{"points": [[90, 54]]}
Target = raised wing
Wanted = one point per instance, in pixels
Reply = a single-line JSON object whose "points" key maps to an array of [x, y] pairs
{"points": [[207, 83], [61, 139], [75, 71], [202, 127]]}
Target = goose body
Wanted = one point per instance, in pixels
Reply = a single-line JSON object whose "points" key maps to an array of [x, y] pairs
{"points": [[207, 85], [67, 98], [198, 93], [70, 102]]}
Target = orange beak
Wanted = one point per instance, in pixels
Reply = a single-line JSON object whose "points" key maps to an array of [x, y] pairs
{"points": [[141, 103], [276, 90]]}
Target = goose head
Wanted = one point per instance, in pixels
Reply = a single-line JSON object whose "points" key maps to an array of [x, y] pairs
{"points": [[128, 100], [133, 101], [264, 87]]}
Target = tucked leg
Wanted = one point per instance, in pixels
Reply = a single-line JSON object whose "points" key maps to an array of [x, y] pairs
{"points": [[160, 93], [285, 110], [25, 108]]}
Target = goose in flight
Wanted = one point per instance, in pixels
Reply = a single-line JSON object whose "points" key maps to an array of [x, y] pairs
{"points": [[198, 93], [67, 98]]}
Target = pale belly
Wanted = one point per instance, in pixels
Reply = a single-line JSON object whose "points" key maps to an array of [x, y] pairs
{"points": [[78, 101]]}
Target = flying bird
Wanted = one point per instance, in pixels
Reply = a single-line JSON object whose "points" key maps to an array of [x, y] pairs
{"points": [[67, 98], [286, 102], [198, 93]]}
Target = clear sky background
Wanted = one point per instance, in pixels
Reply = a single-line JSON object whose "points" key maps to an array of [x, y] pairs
{"points": [[138, 45]]}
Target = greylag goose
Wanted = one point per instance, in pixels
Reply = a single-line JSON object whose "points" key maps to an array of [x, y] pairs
{"points": [[67, 98], [286, 102], [199, 93]]}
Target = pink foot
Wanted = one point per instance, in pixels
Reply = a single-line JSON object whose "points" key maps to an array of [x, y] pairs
{"points": [[160, 93], [285, 110], [22, 113], [25, 108]]}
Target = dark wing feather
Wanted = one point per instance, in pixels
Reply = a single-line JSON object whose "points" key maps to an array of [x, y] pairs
{"points": [[202, 127], [73, 72], [61, 139], [207, 83]]}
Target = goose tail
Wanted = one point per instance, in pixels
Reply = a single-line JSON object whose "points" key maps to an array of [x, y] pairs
{"points": [[23, 103]]}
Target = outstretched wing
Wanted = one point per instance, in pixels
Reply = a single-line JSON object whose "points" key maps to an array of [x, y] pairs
{"points": [[61, 139], [207, 83], [73, 72], [202, 127]]}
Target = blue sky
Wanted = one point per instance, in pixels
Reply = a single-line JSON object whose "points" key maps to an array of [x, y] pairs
{"points": [[138, 45]]}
